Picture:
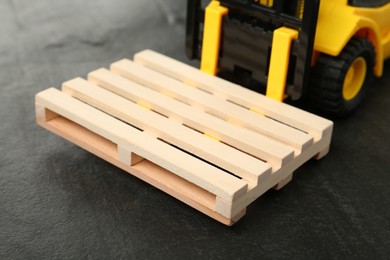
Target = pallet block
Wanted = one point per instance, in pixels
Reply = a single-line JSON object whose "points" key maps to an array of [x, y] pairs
{"points": [[210, 143]]}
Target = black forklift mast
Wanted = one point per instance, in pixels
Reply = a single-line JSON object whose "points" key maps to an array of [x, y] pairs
{"points": [[195, 17], [246, 40], [368, 3]]}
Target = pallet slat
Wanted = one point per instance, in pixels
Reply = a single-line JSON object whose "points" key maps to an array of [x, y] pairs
{"points": [[258, 145], [209, 178], [310, 123], [213, 105], [240, 164]]}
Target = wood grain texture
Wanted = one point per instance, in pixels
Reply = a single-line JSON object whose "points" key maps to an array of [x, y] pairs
{"points": [[252, 143], [162, 179], [209, 178], [295, 117], [209, 103], [226, 157]]}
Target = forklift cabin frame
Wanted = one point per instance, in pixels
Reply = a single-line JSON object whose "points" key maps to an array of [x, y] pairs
{"points": [[256, 25]]}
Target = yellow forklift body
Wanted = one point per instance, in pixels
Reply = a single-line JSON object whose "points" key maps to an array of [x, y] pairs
{"points": [[338, 23], [212, 36], [280, 57]]}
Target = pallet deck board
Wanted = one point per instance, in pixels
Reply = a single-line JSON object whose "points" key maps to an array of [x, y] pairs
{"points": [[213, 105], [133, 140], [203, 140], [243, 165], [258, 145], [299, 119]]}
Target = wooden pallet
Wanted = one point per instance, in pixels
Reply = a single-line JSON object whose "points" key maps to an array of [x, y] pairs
{"points": [[211, 144]]}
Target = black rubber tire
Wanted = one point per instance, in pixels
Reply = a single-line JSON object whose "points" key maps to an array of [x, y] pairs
{"points": [[327, 78]]}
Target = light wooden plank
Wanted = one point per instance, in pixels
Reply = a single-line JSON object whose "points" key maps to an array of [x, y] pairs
{"points": [[205, 176], [307, 122], [218, 107], [260, 146], [43, 115], [160, 178], [283, 182], [281, 175], [226, 157], [127, 157]]}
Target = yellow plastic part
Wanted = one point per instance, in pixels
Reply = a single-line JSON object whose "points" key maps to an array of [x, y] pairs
{"points": [[354, 79], [212, 137], [338, 23], [267, 2], [280, 57], [211, 37], [300, 8], [144, 105], [254, 110]]}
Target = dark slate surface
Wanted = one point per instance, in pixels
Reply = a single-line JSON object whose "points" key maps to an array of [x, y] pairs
{"points": [[58, 201]]}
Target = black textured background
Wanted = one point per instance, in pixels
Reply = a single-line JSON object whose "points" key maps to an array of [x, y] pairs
{"points": [[58, 201]]}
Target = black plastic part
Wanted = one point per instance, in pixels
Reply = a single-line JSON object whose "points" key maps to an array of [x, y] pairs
{"points": [[282, 11], [304, 50], [246, 42], [192, 28], [329, 74], [245, 52], [368, 3]]}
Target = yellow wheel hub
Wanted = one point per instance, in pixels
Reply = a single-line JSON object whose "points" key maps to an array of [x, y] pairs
{"points": [[354, 79]]}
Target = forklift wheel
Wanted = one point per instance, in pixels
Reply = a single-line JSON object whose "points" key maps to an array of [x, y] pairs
{"points": [[340, 83]]}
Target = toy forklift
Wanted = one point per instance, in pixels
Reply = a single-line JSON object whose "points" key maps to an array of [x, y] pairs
{"points": [[205, 140], [326, 51]]}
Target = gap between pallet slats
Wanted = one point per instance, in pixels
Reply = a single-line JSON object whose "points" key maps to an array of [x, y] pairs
{"points": [[297, 140], [207, 177], [253, 143], [312, 124], [232, 160]]}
